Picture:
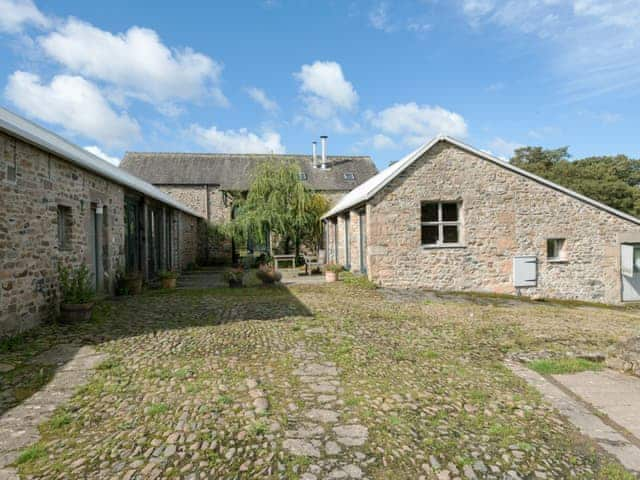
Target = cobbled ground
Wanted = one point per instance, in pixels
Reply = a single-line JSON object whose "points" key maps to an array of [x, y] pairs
{"points": [[331, 381]]}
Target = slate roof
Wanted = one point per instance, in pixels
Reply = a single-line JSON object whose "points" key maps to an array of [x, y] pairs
{"points": [[21, 128], [368, 189], [233, 171]]}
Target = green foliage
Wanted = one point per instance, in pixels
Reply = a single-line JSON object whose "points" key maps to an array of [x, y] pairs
{"points": [[333, 267], [168, 274], [277, 202], [564, 365], [612, 180], [75, 284], [358, 281], [30, 454]]}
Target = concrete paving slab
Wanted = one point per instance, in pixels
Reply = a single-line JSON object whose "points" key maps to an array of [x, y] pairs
{"points": [[610, 439], [615, 394]]}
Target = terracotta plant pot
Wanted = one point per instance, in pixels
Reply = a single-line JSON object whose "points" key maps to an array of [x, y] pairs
{"points": [[330, 277], [75, 312], [133, 285], [169, 282]]}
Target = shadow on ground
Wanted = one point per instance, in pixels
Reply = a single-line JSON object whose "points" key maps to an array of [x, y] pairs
{"points": [[30, 360]]}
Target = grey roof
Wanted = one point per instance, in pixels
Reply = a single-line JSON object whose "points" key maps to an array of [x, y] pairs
{"points": [[21, 128], [233, 171]]}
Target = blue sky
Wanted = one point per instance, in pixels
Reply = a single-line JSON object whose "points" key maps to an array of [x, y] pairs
{"points": [[378, 77]]}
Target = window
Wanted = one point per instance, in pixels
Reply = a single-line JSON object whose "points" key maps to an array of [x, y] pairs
{"points": [[556, 249], [440, 223], [64, 227], [349, 176], [303, 176], [10, 156]]}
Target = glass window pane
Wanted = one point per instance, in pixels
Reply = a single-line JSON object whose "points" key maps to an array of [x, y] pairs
{"points": [[449, 212], [429, 234], [450, 234], [429, 212], [636, 259]]}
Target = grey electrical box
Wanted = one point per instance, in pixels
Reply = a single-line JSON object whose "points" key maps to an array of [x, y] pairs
{"points": [[525, 271]]}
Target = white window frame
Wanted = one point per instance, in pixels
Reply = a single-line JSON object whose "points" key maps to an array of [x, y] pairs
{"points": [[64, 227], [562, 254], [441, 224], [12, 162]]}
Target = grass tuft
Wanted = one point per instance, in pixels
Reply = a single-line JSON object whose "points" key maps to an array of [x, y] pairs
{"points": [[564, 365], [31, 454]]}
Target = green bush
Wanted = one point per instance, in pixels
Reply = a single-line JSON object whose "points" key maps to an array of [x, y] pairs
{"points": [[168, 274], [333, 267], [75, 284]]}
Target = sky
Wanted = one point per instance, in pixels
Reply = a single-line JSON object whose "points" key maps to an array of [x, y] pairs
{"points": [[378, 77]]}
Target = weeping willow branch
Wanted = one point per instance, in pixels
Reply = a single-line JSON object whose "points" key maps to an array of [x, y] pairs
{"points": [[277, 202]]}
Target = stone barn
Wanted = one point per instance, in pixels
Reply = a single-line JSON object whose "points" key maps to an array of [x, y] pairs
{"points": [[208, 182], [61, 205], [451, 217]]}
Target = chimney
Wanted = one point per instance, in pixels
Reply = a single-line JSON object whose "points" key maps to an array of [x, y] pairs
{"points": [[323, 145], [314, 146]]}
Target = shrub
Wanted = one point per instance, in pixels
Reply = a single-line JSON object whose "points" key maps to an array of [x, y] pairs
{"points": [[168, 274], [75, 285], [333, 267], [268, 275]]}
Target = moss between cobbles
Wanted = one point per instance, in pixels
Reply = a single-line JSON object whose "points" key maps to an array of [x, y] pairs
{"points": [[426, 379]]}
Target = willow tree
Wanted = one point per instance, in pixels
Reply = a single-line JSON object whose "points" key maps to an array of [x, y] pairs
{"points": [[278, 203]]}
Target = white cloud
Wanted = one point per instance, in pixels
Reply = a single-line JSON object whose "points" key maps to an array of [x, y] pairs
{"points": [[73, 103], [594, 44], [325, 89], [15, 14], [502, 148], [135, 62], [237, 141], [415, 124], [104, 156], [381, 142], [260, 97], [379, 18]]}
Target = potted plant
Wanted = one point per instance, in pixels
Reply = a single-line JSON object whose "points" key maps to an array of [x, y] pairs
{"points": [[77, 294], [268, 275], [235, 276], [168, 278], [133, 283], [331, 272]]}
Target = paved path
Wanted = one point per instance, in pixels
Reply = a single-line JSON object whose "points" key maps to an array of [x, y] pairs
{"points": [[615, 394], [19, 426], [317, 433], [606, 435]]}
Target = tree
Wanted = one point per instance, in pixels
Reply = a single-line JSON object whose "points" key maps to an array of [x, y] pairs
{"points": [[278, 203], [612, 180]]}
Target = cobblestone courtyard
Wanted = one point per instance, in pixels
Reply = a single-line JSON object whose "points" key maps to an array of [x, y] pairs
{"points": [[312, 382]]}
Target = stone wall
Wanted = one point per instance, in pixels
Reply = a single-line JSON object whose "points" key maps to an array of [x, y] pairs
{"points": [[29, 250], [504, 214], [29, 247]]}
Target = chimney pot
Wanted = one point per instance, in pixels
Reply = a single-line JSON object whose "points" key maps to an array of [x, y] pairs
{"points": [[323, 145]]}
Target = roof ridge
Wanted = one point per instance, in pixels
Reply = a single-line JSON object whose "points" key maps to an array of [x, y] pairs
{"points": [[245, 154]]}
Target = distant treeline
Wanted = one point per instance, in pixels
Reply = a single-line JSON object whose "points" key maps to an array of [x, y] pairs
{"points": [[611, 180]]}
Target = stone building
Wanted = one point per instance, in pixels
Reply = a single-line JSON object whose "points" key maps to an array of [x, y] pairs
{"points": [[450, 217], [208, 182], [62, 205]]}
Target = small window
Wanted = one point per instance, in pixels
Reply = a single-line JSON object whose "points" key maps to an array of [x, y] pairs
{"points": [[11, 158], [556, 249], [64, 227], [349, 176], [303, 176], [440, 223]]}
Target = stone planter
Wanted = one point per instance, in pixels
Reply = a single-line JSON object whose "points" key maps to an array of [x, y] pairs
{"points": [[75, 312], [133, 285], [169, 282], [330, 277], [235, 283]]}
